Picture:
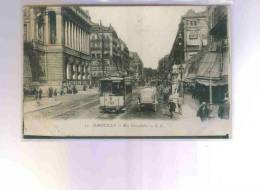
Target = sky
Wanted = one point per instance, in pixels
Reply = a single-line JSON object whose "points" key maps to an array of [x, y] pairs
{"points": [[148, 30]]}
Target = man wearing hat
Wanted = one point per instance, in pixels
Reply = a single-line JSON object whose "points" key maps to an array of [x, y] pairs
{"points": [[203, 111]]}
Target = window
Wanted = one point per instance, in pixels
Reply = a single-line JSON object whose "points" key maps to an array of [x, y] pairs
{"points": [[25, 30], [52, 27], [193, 35], [193, 23], [118, 88]]}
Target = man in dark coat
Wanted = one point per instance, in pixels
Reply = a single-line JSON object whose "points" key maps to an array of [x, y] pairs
{"points": [[172, 107], [203, 111], [40, 93]]}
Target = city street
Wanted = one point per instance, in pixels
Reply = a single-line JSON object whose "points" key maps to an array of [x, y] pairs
{"points": [[79, 113], [85, 105]]}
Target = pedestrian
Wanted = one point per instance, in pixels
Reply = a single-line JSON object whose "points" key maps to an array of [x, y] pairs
{"points": [[50, 92], [55, 92], [74, 90], [61, 91], [223, 110], [40, 93], [203, 112], [179, 106], [165, 94], [172, 107], [36, 96]]}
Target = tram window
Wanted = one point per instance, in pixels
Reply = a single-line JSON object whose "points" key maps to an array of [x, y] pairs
{"points": [[118, 88], [106, 87]]}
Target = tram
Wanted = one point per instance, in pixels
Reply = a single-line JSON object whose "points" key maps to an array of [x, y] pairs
{"points": [[115, 93]]}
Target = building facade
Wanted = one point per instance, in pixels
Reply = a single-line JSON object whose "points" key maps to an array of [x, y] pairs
{"points": [[136, 67], [209, 68], [164, 70], [109, 53], [56, 45], [195, 32]]}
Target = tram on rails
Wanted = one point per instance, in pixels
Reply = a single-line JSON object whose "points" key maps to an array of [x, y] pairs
{"points": [[115, 93]]}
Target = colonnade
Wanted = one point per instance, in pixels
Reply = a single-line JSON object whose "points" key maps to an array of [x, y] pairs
{"points": [[76, 71], [75, 37]]}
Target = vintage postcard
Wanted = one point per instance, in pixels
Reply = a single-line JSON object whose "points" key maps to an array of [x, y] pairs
{"points": [[126, 71]]}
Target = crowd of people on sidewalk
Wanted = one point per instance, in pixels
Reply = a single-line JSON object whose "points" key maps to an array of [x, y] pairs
{"points": [[51, 92], [204, 112], [223, 110]]}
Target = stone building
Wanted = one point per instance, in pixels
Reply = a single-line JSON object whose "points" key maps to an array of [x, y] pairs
{"points": [[56, 42], [109, 53], [191, 38], [195, 32], [209, 68], [136, 67], [164, 70]]}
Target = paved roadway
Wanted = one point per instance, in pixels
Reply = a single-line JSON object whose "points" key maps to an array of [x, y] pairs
{"points": [[82, 106]]}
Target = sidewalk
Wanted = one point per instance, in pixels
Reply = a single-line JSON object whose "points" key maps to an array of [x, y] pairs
{"points": [[31, 106], [193, 104], [190, 107]]}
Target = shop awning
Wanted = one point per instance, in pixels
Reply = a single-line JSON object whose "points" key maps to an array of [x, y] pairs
{"points": [[219, 82], [209, 65]]}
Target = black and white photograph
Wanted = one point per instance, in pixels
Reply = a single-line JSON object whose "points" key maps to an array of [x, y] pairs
{"points": [[126, 71]]}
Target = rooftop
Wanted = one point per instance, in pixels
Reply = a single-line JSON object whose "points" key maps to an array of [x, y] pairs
{"points": [[191, 14]]}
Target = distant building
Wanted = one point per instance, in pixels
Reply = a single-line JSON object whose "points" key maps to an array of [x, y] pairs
{"points": [[109, 53], [56, 45], [164, 69], [135, 67]]}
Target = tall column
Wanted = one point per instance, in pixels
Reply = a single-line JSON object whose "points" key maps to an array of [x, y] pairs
{"points": [[32, 24], [73, 36], [79, 39], [84, 41], [87, 48], [66, 33], [46, 28], [68, 71], [68, 29], [59, 27]]}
